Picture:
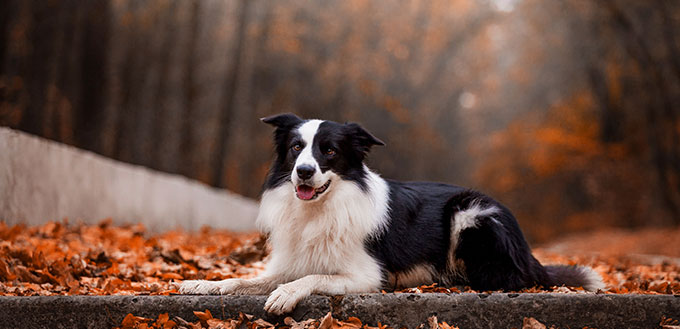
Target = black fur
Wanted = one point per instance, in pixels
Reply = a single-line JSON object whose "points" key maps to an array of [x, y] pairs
{"points": [[284, 161], [421, 214], [349, 139], [418, 231], [496, 256]]}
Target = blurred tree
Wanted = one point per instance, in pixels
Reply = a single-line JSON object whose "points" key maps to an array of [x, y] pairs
{"points": [[605, 152]]}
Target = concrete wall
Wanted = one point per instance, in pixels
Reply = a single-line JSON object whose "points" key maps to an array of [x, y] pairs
{"points": [[41, 180]]}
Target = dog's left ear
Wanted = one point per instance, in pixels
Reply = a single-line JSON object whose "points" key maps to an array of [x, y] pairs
{"points": [[362, 139], [284, 120]]}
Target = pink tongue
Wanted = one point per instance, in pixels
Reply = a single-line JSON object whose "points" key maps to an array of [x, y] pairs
{"points": [[305, 192]]}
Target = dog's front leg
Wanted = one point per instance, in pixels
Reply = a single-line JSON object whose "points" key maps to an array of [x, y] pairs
{"points": [[256, 286], [286, 296]]}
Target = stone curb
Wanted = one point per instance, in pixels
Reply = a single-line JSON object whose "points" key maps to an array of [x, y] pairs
{"points": [[497, 310]]}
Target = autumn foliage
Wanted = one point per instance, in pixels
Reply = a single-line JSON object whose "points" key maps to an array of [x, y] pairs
{"points": [[62, 259], [206, 320], [59, 258]]}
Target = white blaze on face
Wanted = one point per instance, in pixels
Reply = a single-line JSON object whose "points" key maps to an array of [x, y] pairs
{"points": [[307, 131]]}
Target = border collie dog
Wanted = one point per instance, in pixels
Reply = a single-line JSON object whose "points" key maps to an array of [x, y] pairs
{"points": [[336, 227]]}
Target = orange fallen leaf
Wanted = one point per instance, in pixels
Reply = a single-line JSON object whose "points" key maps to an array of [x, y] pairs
{"points": [[170, 276], [130, 321], [531, 323], [162, 319], [203, 316]]}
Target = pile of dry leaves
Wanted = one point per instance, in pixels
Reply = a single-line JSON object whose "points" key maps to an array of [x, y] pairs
{"points": [[245, 321], [59, 258], [206, 320], [62, 259]]}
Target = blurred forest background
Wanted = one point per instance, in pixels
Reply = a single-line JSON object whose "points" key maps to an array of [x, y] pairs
{"points": [[567, 111]]}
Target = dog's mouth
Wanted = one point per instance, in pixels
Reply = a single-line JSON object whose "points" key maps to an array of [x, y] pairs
{"points": [[306, 192]]}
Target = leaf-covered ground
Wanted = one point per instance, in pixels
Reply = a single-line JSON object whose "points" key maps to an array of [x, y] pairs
{"points": [[59, 258], [62, 259], [206, 320]]}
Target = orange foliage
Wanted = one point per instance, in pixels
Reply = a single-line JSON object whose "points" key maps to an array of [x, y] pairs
{"points": [[58, 258], [205, 320], [567, 139], [560, 164]]}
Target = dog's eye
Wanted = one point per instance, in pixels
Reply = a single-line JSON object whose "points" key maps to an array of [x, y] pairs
{"points": [[297, 147], [330, 151]]}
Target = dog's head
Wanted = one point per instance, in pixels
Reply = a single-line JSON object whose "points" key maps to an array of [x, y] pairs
{"points": [[315, 154]]}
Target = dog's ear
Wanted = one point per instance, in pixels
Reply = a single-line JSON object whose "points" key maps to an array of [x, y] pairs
{"points": [[284, 120], [362, 140]]}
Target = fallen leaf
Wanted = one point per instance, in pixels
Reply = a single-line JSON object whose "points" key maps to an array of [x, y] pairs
{"points": [[171, 276], [531, 323], [130, 321], [203, 316], [326, 322]]}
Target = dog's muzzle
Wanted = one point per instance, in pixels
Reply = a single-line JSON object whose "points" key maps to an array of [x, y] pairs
{"points": [[306, 192]]}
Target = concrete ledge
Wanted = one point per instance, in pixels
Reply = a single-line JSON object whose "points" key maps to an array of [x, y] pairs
{"points": [[41, 180], [409, 310]]}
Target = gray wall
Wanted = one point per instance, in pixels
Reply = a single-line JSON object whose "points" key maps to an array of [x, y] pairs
{"points": [[42, 181]]}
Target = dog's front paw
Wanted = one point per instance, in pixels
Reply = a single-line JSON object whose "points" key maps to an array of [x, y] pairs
{"points": [[205, 287], [230, 286], [284, 298], [198, 287]]}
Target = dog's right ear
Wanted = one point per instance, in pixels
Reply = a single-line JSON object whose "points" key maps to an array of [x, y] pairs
{"points": [[284, 120]]}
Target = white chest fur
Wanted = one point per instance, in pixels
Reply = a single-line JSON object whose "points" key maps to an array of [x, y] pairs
{"points": [[324, 236]]}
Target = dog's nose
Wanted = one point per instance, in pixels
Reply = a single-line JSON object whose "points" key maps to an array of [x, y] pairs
{"points": [[305, 171]]}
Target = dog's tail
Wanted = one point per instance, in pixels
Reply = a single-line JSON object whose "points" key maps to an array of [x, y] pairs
{"points": [[575, 276]]}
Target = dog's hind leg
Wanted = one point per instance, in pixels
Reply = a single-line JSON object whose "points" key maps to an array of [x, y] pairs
{"points": [[488, 248]]}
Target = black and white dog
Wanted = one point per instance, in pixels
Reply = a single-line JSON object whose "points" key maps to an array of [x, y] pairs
{"points": [[337, 227]]}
